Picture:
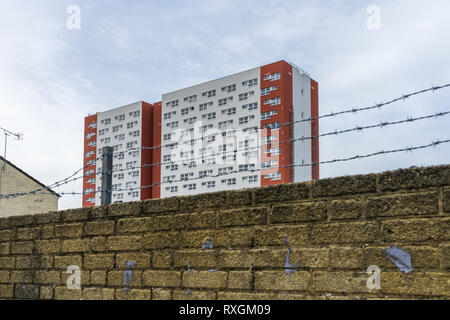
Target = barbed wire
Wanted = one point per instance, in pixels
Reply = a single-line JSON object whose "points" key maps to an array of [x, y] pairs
{"points": [[353, 110], [332, 114], [382, 124], [355, 157]]}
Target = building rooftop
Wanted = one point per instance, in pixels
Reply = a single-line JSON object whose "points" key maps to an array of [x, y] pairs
{"points": [[26, 174]]}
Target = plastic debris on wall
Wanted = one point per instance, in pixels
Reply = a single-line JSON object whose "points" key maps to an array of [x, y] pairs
{"points": [[400, 258]]}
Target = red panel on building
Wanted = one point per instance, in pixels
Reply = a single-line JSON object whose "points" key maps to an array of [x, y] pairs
{"points": [[90, 137], [156, 154], [314, 129], [146, 154], [284, 133]]}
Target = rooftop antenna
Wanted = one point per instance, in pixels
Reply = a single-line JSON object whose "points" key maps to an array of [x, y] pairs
{"points": [[19, 136]]}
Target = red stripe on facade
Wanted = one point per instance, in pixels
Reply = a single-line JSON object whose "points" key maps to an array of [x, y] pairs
{"points": [[314, 129], [146, 154], [156, 154], [89, 120], [285, 114]]}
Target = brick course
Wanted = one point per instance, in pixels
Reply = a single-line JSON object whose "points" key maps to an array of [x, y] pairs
{"points": [[336, 228]]}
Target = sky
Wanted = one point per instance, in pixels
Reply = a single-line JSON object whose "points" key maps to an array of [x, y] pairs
{"points": [[52, 75]]}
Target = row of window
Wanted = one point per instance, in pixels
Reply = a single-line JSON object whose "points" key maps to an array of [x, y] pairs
{"points": [[212, 184], [202, 107], [121, 117], [130, 125], [229, 111]]}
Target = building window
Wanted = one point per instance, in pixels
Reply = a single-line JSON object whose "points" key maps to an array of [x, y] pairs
{"points": [[89, 153], [229, 182], [119, 176], [226, 170], [167, 158], [169, 115], [229, 88], [131, 124], [273, 176], [250, 179], [131, 164], [134, 153], [204, 106], [92, 125], [249, 83], [250, 106], [172, 103], [274, 125], [133, 194], [191, 99], [120, 137], [190, 164], [120, 117], [246, 167], [130, 184], [172, 125], [244, 96], [205, 128], [190, 120], [119, 156], [224, 124], [134, 173], [185, 176], [135, 133], [92, 144], [191, 186], [90, 135], [246, 119], [186, 111], [204, 173], [266, 91], [106, 121], [167, 136], [102, 131], [267, 115], [116, 186], [273, 151], [209, 184], [131, 144], [269, 164], [211, 93], [209, 116], [229, 111], [224, 101], [117, 166], [273, 102], [116, 128], [172, 167], [168, 179], [172, 189], [267, 140], [250, 129], [135, 113], [273, 76]]}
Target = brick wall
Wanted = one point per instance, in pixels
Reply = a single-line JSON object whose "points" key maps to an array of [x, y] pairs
{"points": [[14, 181], [335, 227]]}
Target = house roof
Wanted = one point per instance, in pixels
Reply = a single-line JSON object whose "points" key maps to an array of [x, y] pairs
{"points": [[27, 175]]}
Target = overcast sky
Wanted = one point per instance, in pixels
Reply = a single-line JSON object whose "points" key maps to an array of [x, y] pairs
{"points": [[51, 77]]}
